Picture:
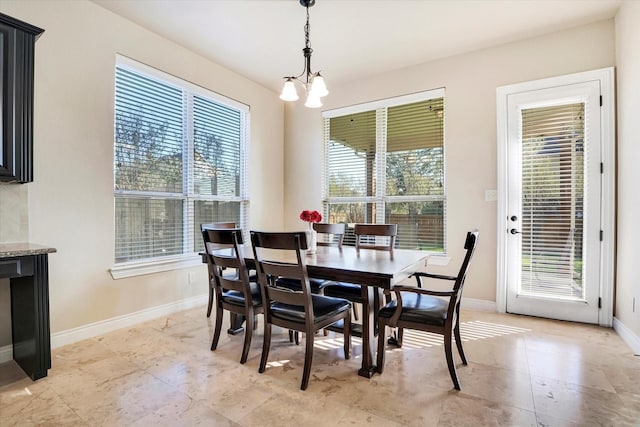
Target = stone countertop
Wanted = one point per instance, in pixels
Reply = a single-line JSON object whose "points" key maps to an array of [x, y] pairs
{"points": [[9, 250]]}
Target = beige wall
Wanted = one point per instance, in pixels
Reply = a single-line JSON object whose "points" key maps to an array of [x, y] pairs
{"points": [[628, 97], [470, 81], [70, 202]]}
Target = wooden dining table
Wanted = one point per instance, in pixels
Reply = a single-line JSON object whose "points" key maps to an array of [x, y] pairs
{"points": [[373, 270]]}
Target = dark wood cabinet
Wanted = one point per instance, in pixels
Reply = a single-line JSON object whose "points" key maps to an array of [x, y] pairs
{"points": [[17, 42]]}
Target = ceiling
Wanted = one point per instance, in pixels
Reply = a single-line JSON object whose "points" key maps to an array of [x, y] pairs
{"points": [[263, 39]]}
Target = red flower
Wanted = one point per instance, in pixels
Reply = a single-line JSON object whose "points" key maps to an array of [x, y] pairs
{"points": [[310, 216]]}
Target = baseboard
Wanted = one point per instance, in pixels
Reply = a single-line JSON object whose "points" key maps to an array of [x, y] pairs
{"points": [[6, 354], [91, 330], [627, 335], [478, 304]]}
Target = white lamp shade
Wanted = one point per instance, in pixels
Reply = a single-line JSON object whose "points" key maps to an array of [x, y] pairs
{"points": [[289, 92], [313, 101], [318, 87]]}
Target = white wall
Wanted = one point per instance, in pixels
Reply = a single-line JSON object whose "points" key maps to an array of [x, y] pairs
{"points": [[628, 97], [70, 202], [470, 125]]}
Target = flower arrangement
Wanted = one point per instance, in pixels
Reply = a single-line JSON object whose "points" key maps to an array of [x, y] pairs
{"points": [[310, 216]]}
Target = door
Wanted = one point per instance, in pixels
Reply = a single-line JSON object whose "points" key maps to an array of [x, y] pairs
{"points": [[554, 202]]}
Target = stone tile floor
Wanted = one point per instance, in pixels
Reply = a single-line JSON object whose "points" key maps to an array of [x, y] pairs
{"points": [[522, 371]]}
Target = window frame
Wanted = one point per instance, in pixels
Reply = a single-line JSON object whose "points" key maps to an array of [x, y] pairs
{"points": [[380, 198], [189, 256]]}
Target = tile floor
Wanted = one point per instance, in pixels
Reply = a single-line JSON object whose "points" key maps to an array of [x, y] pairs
{"points": [[522, 372]]}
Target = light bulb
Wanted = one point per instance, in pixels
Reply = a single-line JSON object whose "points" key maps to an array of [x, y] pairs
{"points": [[318, 87], [289, 92], [313, 101]]}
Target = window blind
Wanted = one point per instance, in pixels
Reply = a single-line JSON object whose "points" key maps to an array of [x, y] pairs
{"points": [[180, 160], [387, 165], [553, 158]]}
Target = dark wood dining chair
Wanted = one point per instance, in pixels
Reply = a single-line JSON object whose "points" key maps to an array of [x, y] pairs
{"points": [[234, 291], [213, 226], [367, 236], [427, 310], [330, 235], [295, 310]]}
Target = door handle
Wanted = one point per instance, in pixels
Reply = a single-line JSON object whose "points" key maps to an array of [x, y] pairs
{"points": [[514, 231]]}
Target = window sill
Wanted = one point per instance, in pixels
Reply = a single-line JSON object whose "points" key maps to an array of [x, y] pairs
{"points": [[138, 268]]}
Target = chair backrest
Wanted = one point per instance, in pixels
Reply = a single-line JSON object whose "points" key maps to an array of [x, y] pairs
{"points": [[283, 266], [223, 251], [375, 230], [334, 233], [470, 244], [217, 225]]}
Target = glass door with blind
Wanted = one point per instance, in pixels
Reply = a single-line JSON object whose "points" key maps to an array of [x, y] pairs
{"points": [[554, 197]]}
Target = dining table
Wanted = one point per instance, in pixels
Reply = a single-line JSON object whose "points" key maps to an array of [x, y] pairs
{"points": [[375, 271]]}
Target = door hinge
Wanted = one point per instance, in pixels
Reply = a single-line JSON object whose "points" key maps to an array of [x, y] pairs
{"points": [[601, 167], [601, 235], [601, 100], [599, 302]]}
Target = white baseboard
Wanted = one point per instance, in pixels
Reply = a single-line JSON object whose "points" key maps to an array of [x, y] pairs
{"points": [[627, 336], [6, 354], [478, 304], [91, 330]]}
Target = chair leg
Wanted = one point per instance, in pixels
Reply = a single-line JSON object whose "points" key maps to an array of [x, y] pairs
{"points": [[450, 363], [400, 335], [456, 332], [354, 307], [210, 306], [248, 332], [294, 335], [381, 339], [266, 343], [217, 328], [347, 336], [308, 357]]}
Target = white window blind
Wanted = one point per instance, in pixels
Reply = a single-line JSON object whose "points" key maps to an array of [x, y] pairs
{"points": [[180, 160], [385, 164], [553, 158]]}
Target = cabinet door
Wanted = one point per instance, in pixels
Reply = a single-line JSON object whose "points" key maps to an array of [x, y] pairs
{"points": [[17, 41]]}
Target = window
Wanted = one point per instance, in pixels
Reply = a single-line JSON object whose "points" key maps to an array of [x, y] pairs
{"points": [[384, 163], [180, 160]]}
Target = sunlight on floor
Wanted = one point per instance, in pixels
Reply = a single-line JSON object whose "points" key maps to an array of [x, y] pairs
{"points": [[469, 331]]}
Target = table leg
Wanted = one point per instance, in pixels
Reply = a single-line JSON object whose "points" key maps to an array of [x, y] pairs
{"points": [[236, 324], [368, 338]]}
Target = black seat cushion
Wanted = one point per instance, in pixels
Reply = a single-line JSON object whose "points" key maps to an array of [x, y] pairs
{"points": [[237, 298], [323, 308], [418, 308], [317, 285], [344, 290]]}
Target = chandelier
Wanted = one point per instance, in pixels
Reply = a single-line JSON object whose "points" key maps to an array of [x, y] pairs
{"points": [[313, 83]]}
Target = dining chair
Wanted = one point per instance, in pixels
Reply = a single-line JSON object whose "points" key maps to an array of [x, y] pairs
{"points": [[213, 226], [379, 237], [291, 309], [329, 235], [427, 310], [234, 291]]}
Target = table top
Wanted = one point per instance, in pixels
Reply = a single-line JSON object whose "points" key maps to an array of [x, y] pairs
{"points": [[371, 267], [9, 250]]}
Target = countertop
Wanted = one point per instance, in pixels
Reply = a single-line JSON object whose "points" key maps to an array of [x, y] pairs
{"points": [[9, 250]]}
